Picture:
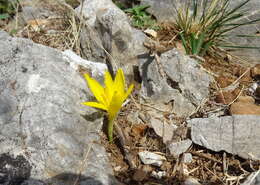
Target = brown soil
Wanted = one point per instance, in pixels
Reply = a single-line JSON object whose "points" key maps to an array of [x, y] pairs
{"points": [[206, 166]]}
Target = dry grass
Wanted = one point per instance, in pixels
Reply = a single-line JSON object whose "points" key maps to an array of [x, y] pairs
{"points": [[61, 31]]}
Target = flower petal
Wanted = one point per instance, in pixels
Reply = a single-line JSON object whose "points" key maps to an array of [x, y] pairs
{"points": [[128, 92], [95, 105], [115, 105], [109, 89], [96, 89], [119, 83]]}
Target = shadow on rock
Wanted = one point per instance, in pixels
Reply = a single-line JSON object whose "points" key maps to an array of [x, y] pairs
{"points": [[17, 171]]}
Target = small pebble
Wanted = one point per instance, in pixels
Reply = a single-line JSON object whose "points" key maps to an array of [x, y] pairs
{"points": [[187, 158], [158, 175], [151, 158]]}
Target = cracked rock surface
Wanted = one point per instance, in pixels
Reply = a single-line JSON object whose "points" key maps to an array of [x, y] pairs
{"points": [[42, 120], [238, 134], [186, 84]]}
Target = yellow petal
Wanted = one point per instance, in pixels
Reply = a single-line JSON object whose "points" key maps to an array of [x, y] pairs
{"points": [[128, 92], [115, 105], [109, 86], [95, 105], [96, 89], [119, 83]]}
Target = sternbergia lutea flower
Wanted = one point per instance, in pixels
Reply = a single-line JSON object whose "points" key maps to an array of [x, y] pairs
{"points": [[109, 98]]}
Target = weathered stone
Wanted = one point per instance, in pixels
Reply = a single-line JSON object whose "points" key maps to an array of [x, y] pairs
{"points": [[163, 129], [191, 181], [109, 29], [32, 13], [185, 86], [253, 179], [41, 116], [163, 10], [33, 10], [238, 135], [252, 55], [180, 147], [159, 174], [151, 158], [96, 69], [187, 157]]}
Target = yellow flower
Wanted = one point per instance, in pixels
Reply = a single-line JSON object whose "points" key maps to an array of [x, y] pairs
{"points": [[109, 98]]}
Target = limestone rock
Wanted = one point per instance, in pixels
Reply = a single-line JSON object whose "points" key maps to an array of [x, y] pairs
{"points": [[186, 85], [180, 147], [187, 157], [163, 10], [252, 55], [238, 134], [253, 179], [42, 119], [191, 181], [163, 129], [151, 158], [109, 29]]}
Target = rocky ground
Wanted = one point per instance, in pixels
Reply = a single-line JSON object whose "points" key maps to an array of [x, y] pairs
{"points": [[190, 120]]}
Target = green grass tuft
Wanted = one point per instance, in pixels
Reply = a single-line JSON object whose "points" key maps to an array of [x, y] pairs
{"points": [[203, 25]]}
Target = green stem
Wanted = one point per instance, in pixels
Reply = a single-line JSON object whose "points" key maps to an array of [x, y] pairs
{"points": [[110, 130]]}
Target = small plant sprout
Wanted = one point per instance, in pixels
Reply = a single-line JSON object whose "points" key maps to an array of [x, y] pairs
{"points": [[109, 98], [140, 18]]}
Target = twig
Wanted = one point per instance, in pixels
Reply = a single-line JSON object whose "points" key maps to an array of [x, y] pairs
{"points": [[199, 106], [224, 163], [241, 76], [221, 92], [172, 39], [164, 111], [237, 96], [125, 145], [214, 174]]}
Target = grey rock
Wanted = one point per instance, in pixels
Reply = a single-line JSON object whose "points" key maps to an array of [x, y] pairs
{"points": [[238, 134], [163, 129], [159, 174], [134, 118], [151, 158], [253, 179], [109, 29], [42, 119], [180, 147], [191, 181], [186, 85], [163, 10], [32, 12], [187, 157], [97, 69], [251, 55]]}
